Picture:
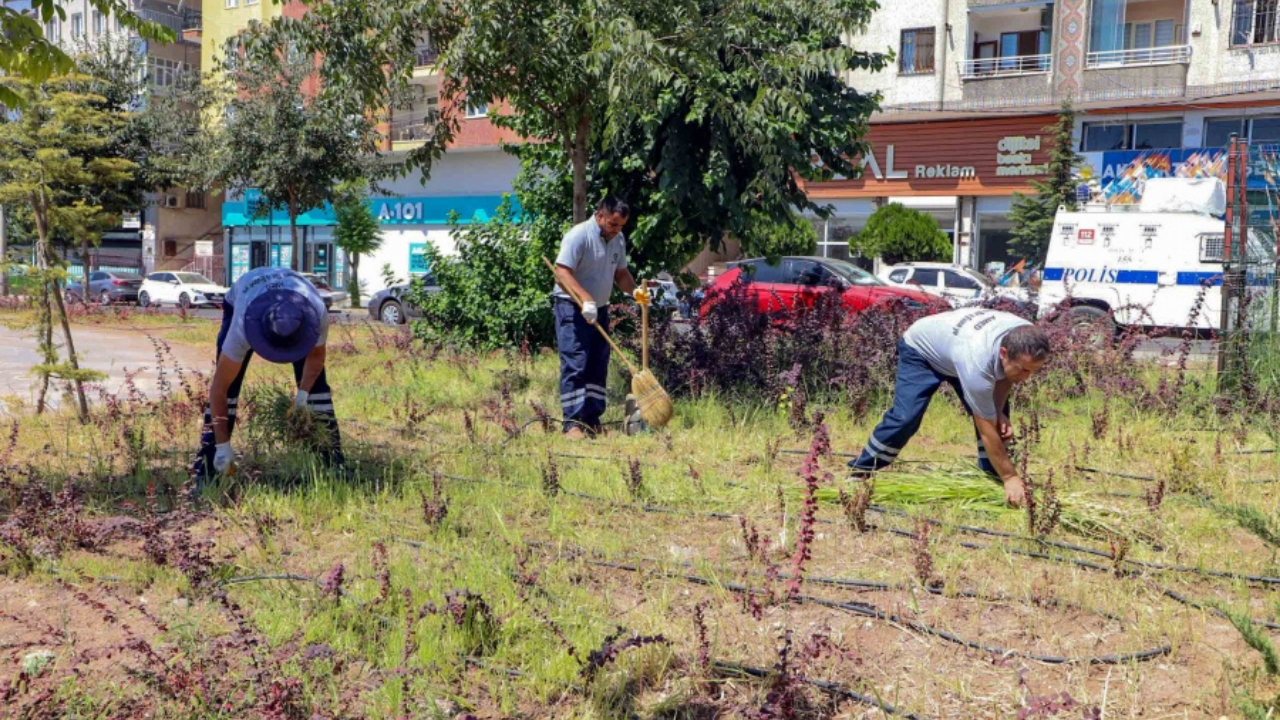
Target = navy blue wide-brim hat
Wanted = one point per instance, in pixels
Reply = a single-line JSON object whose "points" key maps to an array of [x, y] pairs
{"points": [[282, 326]]}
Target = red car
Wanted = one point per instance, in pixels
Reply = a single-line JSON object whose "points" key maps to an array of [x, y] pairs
{"points": [[799, 280]]}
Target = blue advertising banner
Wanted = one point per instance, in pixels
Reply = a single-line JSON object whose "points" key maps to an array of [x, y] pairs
{"points": [[1117, 177], [418, 263]]}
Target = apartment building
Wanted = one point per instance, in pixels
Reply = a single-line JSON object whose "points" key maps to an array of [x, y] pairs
{"points": [[176, 226], [468, 181], [1159, 86]]}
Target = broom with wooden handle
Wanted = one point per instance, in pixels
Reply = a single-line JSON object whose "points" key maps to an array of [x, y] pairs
{"points": [[655, 404]]}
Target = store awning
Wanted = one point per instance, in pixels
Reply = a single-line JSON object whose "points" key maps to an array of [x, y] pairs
{"points": [[389, 211]]}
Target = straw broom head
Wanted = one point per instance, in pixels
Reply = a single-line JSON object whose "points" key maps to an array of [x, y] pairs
{"points": [[655, 404]]}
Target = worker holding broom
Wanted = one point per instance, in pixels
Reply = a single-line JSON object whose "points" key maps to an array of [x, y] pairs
{"points": [[592, 259], [982, 354], [277, 314]]}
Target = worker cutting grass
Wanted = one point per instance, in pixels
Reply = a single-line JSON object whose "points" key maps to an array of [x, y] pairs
{"points": [[980, 353]]}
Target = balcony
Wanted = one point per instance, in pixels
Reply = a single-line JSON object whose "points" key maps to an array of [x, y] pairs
{"points": [[1139, 56], [425, 55], [410, 128], [1005, 66]]}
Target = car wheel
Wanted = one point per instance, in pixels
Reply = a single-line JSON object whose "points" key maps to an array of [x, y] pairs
{"points": [[391, 313], [144, 299], [70, 298], [184, 301], [104, 298], [1091, 323]]}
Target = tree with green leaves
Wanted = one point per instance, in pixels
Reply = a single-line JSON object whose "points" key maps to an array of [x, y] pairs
{"points": [[25, 51], [285, 140], [357, 232], [50, 153], [897, 234], [707, 117], [1032, 215]]}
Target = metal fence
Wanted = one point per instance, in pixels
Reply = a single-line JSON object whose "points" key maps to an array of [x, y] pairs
{"points": [[1251, 283]]}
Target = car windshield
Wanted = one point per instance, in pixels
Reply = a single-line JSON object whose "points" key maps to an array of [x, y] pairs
{"points": [[976, 276], [854, 274], [126, 276], [192, 279]]}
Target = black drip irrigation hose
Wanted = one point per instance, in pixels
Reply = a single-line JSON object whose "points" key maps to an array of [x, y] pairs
{"points": [[971, 529], [871, 611], [739, 670]]}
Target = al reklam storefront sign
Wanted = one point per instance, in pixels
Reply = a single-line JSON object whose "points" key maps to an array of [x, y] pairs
{"points": [[972, 157]]}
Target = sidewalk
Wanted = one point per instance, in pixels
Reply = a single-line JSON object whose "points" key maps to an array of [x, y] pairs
{"points": [[108, 350]]}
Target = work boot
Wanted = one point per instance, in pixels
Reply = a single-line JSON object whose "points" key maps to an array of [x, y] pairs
{"points": [[575, 433]]}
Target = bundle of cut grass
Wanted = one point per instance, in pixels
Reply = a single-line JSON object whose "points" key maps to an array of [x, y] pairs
{"points": [[275, 422], [972, 489]]}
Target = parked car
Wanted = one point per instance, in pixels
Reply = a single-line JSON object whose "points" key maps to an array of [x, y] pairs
{"points": [[392, 305], [958, 285], [330, 296], [183, 289], [106, 287], [799, 280]]}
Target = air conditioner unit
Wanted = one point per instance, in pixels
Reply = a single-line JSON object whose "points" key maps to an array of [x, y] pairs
{"points": [[171, 201]]}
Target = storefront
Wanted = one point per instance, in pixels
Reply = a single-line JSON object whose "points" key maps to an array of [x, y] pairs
{"points": [[408, 224], [962, 173], [467, 186]]}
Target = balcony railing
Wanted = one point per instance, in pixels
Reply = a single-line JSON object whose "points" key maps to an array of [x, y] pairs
{"points": [[1005, 66], [412, 126], [188, 20], [425, 55], [1140, 56]]}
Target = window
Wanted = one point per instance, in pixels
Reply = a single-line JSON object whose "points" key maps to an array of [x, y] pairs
{"points": [[960, 281], [916, 54], [1263, 130], [1101, 137], [1255, 22], [195, 200], [1212, 248], [97, 23], [925, 277], [96, 276], [477, 111], [1157, 136], [233, 3], [170, 250], [53, 31], [898, 276], [763, 272], [1218, 131], [77, 26], [164, 73], [807, 273], [250, 2]]}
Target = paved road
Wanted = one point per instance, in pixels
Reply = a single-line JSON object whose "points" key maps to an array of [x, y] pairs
{"points": [[112, 351]]}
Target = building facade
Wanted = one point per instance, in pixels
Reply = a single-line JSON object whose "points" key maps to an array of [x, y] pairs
{"points": [[1158, 85], [467, 183], [173, 227]]}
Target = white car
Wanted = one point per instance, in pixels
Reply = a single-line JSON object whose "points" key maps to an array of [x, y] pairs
{"points": [[183, 289], [959, 285]]}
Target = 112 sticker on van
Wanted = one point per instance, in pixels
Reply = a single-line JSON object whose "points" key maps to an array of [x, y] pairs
{"points": [[1084, 236]]}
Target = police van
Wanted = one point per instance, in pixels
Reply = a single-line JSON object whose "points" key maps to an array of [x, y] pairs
{"points": [[1142, 264]]}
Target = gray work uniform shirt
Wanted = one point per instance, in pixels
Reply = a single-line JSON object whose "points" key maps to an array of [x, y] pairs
{"points": [[247, 289], [965, 344], [592, 260]]}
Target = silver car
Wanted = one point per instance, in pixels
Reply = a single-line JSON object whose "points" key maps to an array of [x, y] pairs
{"points": [[332, 298]]}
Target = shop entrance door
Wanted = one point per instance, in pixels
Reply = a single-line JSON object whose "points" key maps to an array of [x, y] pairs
{"points": [[257, 254], [320, 260]]}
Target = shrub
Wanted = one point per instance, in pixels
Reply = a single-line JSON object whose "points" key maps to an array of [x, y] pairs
{"points": [[494, 293], [898, 234]]}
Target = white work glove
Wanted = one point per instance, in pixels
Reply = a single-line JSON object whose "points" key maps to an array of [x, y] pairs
{"points": [[300, 400], [223, 457], [590, 312]]}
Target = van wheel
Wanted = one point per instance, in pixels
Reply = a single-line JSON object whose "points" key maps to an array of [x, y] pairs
{"points": [[1091, 323]]}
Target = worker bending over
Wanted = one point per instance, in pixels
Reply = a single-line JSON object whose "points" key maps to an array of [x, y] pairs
{"points": [[593, 257], [277, 314], [982, 354]]}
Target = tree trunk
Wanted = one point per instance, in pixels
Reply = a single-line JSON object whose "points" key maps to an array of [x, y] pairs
{"points": [[296, 264], [353, 285], [44, 320], [4, 254], [578, 155], [84, 264], [71, 350]]}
